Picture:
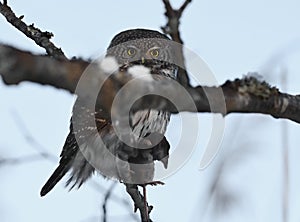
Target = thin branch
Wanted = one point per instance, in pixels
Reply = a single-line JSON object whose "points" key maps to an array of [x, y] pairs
{"points": [[42, 151], [139, 202], [285, 156], [173, 20], [106, 198], [116, 198], [184, 5], [44, 154], [246, 95], [41, 38], [172, 29], [219, 195], [20, 160]]}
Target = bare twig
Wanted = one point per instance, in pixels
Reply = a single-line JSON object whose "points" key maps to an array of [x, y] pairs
{"points": [[41, 38], [42, 151], [44, 154], [285, 150], [116, 198], [172, 29], [219, 194], [174, 16], [106, 197], [20, 160]]}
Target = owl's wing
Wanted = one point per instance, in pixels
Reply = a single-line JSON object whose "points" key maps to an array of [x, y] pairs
{"points": [[70, 150]]}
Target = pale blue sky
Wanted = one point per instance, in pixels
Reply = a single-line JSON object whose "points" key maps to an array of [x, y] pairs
{"points": [[233, 37]]}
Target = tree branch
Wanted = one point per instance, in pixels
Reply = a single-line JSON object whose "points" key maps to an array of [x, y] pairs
{"points": [[173, 17], [31, 140], [39, 37], [172, 29], [246, 95], [139, 202], [17, 66], [20, 160], [43, 154], [106, 197]]}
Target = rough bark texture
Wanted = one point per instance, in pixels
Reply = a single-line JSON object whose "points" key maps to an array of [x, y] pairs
{"points": [[246, 95], [39, 37]]}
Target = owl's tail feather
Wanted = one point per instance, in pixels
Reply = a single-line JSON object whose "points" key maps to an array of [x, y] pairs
{"points": [[59, 172]]}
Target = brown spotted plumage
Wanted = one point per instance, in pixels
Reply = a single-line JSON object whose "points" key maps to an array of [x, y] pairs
{"points": [[96, 147]]}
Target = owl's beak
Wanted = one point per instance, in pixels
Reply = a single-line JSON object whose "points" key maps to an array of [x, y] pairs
{"points": [[143, 60]]}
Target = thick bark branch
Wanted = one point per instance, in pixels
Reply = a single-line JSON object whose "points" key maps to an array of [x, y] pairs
{"points": [[246, 95], [17, 66], [39, 37]]}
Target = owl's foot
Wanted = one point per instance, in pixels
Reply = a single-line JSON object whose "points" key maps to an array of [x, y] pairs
{"points": [[154, 183], [150, 207]]}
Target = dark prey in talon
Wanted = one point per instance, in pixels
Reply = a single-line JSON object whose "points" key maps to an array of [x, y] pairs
{"points": [[84, 153]]}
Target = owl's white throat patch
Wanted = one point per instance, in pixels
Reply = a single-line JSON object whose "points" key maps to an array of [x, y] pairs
{"points": [[109, 65], [140, 71]]}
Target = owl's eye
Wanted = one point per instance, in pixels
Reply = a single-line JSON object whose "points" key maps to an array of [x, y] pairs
{"points": [[154, 53], [131, 52]]}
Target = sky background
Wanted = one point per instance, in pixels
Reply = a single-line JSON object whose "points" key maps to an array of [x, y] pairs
{"points": [[233, 37]]}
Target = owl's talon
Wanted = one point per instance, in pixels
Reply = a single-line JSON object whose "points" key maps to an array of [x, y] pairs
{"points": [[150, 208]]}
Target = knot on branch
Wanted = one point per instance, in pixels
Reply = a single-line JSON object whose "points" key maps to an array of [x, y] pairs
{"points": [[252, 86], [36, 32]]}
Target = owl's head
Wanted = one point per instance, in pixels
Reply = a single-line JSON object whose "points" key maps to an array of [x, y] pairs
{"points": [[142, 46]]}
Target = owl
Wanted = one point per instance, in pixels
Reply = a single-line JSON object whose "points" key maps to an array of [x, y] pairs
{"points": [[91, 148]]}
